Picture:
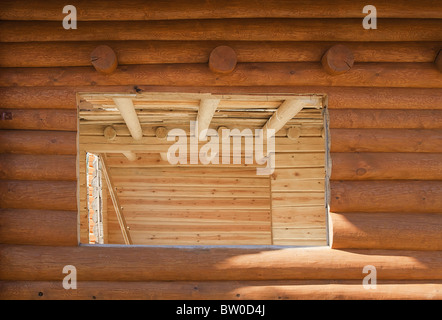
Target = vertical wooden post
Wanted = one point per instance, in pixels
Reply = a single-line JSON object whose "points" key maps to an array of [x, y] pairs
{"points": [[120, 216]]}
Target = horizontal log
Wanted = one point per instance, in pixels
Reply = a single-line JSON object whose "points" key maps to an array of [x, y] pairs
{"points": [[77, 53], [37, 167], [385, 140], [38, 227], [40, 119], [393, 119], [40, 195], [307, 130], [386, 196], [119, 263], [338, 97], [245, 74], [395, 231], [224, 290], [100, 144], [178, 9], [328, 29], [386, 166], [38, 142], [186, 171]]}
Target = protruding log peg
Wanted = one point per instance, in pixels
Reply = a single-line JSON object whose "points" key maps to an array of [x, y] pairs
{"points": [[161, 133], [293, 133], [110, 133], [104, 59], [337, 60], [438, 61], [222, 60]]}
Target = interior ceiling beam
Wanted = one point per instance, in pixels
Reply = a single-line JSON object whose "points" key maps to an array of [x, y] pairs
{"points": [[286, 111], [127, 110], [130, 155], [205, 113]]}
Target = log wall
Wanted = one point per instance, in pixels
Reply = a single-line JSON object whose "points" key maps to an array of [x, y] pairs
{"points": [[385, 143]]}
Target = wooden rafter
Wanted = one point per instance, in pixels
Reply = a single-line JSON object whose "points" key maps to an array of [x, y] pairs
{"points": [[130, 155], [288, 109], [127, 110], [205, 113], [120, 216]]}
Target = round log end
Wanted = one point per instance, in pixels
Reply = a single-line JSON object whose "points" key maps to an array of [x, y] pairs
{"points": [[438, 61], [161, 133], [110, 133], [337, 60], [293, 133], [104, 59], [222, 60]]}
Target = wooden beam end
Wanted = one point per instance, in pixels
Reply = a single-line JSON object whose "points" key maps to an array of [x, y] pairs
{"points": [[337, 60], [104, 59], [222, 60]]}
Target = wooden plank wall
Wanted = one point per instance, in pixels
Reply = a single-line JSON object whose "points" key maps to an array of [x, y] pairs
{"points": [[298, 191], [385, 131], [231, 202], [193, 205]]}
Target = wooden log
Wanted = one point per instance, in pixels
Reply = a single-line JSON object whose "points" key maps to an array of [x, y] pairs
{"points": [[385, 140], [127, 110], [391, 119], [104, 59], [45, 263], [49, 97], [386, 166], [286, 111], [161, 132], [131, 10], [225, 30], [64, 97], [110, 133], [38, 227], [248, 74], [222, 60], [130, 156], [45, 142], [225, 290], [40, 119], [337, 60], [99, 144], [402, 231], [293, 133], [40, 195], [77, 53], [386, 196], [37, 167], [438, 61], [206, 111]]}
